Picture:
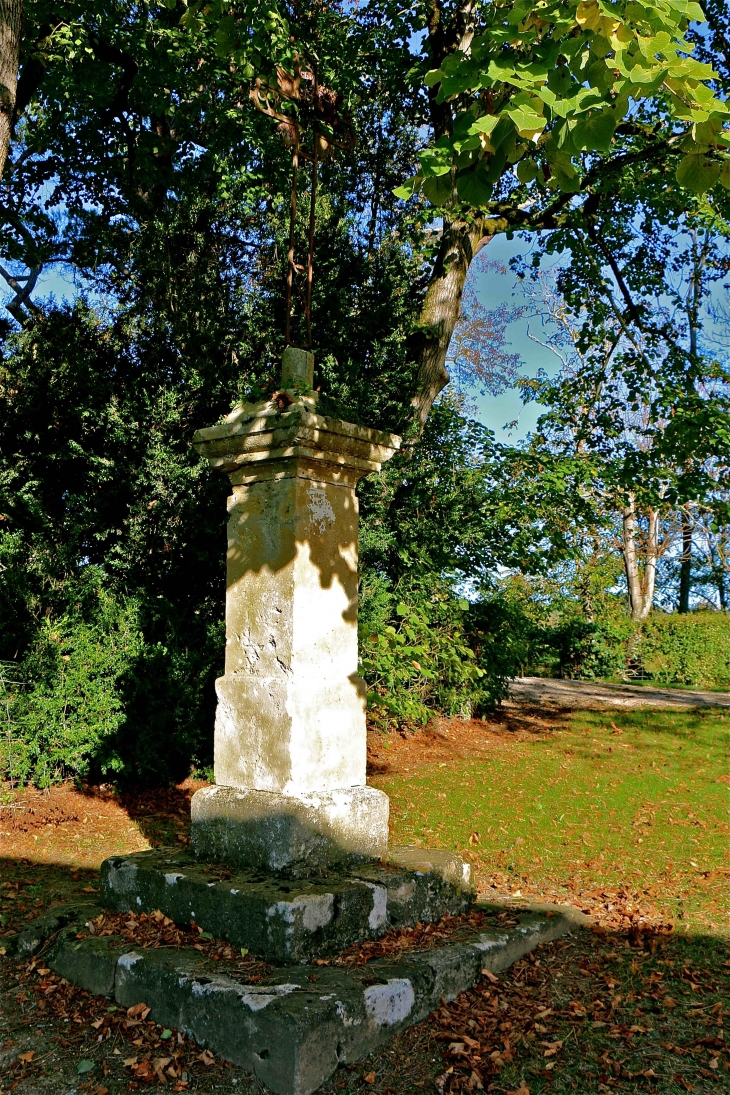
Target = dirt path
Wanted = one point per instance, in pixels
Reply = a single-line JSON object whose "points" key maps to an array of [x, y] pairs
{"points": [[592, 695]]}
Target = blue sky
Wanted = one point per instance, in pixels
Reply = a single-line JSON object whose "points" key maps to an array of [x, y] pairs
{"points": [[494, 288]]}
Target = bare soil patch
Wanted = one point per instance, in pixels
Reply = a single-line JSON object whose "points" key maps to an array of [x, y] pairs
{"points": [[404, 752]]}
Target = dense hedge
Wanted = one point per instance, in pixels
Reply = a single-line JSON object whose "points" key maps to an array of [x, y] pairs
{"points": [[691, 649]]}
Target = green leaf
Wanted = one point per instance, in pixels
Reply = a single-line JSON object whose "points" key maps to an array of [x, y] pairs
{"points": [[595, 131], [502, 131], [560, 80], [485, 124], [435, 161], [401, 609], [85, 1066], [527, 171], [705, 133], [409, 188], [166, 1034], [205, 935], [473, 188], [697, 173], [244, 952], [438, 189], [724, 178]]}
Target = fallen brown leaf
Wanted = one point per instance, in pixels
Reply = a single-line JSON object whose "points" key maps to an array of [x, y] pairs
{"points": [[140, 1010]]}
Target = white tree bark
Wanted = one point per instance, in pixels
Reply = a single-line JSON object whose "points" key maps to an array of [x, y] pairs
{"points": [[11, 19], [641, 580]]}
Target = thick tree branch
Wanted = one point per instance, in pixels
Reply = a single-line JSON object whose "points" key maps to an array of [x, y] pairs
{"points": [[21, 306], [32, 73], [11, 20]]}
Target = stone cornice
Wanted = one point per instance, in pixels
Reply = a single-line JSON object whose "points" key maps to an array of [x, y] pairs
{"points": [[255, 436]]}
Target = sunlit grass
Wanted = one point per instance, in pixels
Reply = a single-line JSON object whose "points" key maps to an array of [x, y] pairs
{"points": [[623, 798]]}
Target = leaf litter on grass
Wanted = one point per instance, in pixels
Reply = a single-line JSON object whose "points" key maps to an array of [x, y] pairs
{"points": [[594, 1015], [564, 812]]}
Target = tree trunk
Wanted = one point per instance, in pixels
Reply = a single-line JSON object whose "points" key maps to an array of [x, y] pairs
{"points": [[11, 19], [440, 312], [640, 585], [652, 558], [685, 566], [631, 562]]}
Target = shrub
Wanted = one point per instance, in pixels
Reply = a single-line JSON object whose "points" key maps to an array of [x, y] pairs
{"points": [[692, 649], [69, 707], [93, 697], [414, 653], [505, 640]]}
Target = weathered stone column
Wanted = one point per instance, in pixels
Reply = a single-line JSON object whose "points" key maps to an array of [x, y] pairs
{"points": [[290, 732]]}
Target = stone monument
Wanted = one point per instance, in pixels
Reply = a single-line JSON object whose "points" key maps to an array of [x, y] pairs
{"points": [[291, 846], [290, 739]]}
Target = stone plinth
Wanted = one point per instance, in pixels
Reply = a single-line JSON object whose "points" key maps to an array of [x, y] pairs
{"points": [[294, 1027], [290, 722], [285, 919], [299, 834]]}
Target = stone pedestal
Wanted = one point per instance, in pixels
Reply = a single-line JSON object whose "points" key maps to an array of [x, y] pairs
{"points": [[290, 740]]}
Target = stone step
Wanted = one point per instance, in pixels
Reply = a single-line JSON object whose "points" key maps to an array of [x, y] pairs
{"points": [[290, 920], [295, 1028]]}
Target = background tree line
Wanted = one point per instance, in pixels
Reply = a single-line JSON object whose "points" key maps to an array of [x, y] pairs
{"points": [[137, 163]]}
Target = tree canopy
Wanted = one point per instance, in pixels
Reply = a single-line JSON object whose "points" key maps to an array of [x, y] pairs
{"points": [[594, 134]]}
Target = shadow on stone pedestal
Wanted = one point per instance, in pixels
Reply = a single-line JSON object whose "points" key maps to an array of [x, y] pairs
{"points": [[302, 835], [290, 732]]}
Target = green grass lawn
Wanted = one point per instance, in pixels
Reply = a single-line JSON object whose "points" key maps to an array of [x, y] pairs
{"points": [[624, 813], [634, 800]]}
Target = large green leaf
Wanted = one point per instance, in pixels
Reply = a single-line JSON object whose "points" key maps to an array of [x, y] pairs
{"points": [[696, 172], [438, 189], [473, 187], [435, 161], [595, 131], [527, 171]]}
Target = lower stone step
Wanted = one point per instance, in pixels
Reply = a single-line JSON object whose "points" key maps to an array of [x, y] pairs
{"points": [[294, 1028], [286, 920]]}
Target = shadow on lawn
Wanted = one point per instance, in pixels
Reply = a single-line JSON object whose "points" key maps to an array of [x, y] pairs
{"points": [[162, 815]]}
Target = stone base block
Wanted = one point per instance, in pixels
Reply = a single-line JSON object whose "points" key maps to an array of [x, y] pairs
{"points": [[295, 1027], [283, 920], [445, 864], [303, 835]]}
